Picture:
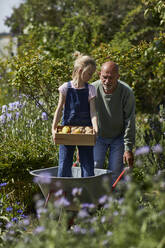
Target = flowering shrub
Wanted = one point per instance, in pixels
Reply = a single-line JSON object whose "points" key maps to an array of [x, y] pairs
{"points": [[26, 144], [150, 143], [9, 212], [135, 210], [131, 216], [132, 219], [6, 90]]}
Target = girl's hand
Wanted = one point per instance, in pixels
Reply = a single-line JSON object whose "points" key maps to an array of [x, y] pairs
{"points": [[53, 135], [95, 130]]}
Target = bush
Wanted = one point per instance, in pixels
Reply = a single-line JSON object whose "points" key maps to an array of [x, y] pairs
{"points": [[142, 67], [7, 92], [135, 220], [38, 76], [25, 144]]}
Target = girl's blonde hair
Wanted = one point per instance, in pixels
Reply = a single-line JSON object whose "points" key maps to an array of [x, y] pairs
{"points": [[83, 62]]}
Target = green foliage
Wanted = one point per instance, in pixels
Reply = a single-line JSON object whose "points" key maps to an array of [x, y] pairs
{"points": [[156, 7], [9, 212], [6, 90], [38, 76], [99, 19], [77, 33], [135, 220], [150, 155], [131, 30], [133, 216], [142, 67], [44, 58]]}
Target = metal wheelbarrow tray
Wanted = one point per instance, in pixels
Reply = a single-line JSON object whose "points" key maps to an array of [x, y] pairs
{"points": [[92, 187]]}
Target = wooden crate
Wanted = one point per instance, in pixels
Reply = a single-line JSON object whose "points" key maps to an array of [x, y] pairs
{"points": [[80, 139]]}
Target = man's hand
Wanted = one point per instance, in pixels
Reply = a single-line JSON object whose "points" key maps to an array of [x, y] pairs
{"points": [[128, 158]]}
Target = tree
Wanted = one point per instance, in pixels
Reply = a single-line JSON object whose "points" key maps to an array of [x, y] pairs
{"points": [[156, 7], [108, 14]]}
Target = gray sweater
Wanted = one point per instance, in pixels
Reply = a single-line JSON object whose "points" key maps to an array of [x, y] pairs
{"points": [[116, 113]]}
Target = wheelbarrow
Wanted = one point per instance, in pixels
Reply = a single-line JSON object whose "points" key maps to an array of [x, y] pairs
{"points": [[93, 187]]}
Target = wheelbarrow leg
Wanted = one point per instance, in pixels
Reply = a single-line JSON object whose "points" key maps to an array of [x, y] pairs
{"points": [[55, 197], [47, 198]]}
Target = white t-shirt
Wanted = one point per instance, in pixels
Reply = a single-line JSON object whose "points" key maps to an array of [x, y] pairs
{"points": [[92, 91]]}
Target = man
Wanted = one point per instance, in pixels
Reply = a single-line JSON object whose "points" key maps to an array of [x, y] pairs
{"points": [[115, 106]]}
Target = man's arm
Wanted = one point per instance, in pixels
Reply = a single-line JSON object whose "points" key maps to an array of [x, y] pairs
{"points": [[129, 134]]}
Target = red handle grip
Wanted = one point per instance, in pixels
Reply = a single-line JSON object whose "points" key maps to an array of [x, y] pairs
{"points": [[119, 177]]}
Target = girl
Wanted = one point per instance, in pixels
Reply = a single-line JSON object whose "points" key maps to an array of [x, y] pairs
{"points": [[77, 97]]}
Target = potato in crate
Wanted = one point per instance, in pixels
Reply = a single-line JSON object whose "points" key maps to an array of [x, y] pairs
{"points": [[75, 135]]}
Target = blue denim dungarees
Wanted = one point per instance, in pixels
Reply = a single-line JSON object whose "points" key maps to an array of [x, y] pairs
{"points": [[76, 113]]}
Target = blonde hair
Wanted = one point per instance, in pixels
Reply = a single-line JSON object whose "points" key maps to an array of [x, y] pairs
{"points": [[82, 62]]}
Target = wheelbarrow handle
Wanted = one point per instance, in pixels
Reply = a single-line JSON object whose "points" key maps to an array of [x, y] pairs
{"points": [[119, 177]]}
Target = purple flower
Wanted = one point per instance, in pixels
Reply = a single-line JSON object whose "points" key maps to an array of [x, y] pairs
{"points": [[3, 184], [83, 213], [9, 209], [83, 231], [23, 216], [11, 106], [88, 205], [59, 193], [157, 149], [109, 233], [26, 222], [8, 225], [76, 191], [142, 150], [116, 213], [15, 219], [9, 116], [4, 108], [103, 219], [41, 211], [120, 201], [19, 211], [3, 118], [103, 199], [39, 229], [14, 105], [62, 202], [43, 177], [17, 114], [78, 229], [44, 116]]}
